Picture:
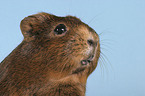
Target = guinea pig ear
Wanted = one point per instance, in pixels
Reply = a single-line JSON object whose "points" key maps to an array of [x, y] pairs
{"points": [[27, 26], [34, 25]]}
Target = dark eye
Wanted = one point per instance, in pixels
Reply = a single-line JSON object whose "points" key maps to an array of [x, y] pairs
{"points": [[60, 29]]}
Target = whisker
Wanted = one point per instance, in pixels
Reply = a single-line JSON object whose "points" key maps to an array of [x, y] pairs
{"points": [[105, 49], [101, 63], [105, 32], [63, 66], [107, 60], [107, 40], [93, 19], [107, 46]]}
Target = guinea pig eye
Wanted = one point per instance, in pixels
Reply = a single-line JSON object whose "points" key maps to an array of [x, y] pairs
{"points": [[60, 29]]}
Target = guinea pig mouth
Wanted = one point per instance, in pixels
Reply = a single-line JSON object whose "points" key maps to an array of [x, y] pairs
{"points": [[78, 70], [88, 60], [84, 63]]}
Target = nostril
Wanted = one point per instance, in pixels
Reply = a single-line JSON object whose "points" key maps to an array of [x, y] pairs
{"points": [[90, 42], [96, 44]]}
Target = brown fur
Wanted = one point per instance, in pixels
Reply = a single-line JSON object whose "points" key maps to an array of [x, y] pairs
{"points": [[46, 64]]}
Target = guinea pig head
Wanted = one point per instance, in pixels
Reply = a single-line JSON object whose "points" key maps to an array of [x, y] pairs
{"points": [[65, 45]]}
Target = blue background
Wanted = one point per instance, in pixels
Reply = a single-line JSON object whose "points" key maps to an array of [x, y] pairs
{"points": [[121, 25]]}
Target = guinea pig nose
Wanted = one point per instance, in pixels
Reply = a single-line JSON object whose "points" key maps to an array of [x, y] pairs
{"points": [[90, 42]]}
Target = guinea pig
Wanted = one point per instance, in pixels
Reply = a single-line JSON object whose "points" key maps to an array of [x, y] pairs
{"points": [[55, 58]]}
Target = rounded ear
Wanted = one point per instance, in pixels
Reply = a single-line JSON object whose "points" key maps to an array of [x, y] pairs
{"points": [[27, 26], [33, 25]]}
